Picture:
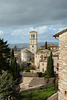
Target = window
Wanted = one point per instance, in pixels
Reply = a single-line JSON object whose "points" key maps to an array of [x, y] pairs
{"points": [[33, 36], [42, 69], [44, 58], [57, 64], [32, 45], [65, 92], [43, 64]]}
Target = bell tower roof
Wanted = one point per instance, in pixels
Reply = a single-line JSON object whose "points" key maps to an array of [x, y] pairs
{"points": [[33, 32]]}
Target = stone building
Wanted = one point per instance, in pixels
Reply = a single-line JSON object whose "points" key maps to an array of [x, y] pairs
{"points": [[62, 95], [33, 41], [51, 46], [26, 55], [41, 60], [44, 54]]}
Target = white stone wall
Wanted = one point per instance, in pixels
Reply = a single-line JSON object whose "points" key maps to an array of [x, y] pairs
{"points": [[42, 66], [33, 42], [56, 61], [26, 56]]}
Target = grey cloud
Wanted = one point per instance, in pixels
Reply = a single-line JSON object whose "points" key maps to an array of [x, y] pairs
{"points": [[15, 13]]}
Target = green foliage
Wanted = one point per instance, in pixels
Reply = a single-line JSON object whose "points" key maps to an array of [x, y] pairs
{"points": [[41, 94], [15, 69], [4, 55], [25, 65], [12, 53], [48, 48], [9, 79], [28, 69], [40, 74], [45, 45], [50, 67], [56, 82], [7, 86]]}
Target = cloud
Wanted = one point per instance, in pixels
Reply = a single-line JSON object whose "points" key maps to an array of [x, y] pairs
{"points": [[1, 33], [17, 13], [19, 17]]}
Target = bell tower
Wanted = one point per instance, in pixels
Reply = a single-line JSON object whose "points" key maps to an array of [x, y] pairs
{"points": [[33, 41]]}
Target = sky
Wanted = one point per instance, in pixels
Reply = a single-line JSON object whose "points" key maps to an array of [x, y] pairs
{"points": [[19, 17]]}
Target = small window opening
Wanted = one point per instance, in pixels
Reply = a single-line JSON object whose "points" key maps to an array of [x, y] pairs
{"points": [[65, 93]]}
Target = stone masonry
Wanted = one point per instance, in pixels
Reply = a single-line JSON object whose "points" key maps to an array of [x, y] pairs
{"points": [[62, 94], [63, 67]]}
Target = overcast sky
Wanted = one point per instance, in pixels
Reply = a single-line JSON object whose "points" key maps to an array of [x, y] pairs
{"points": [[19, 17]]}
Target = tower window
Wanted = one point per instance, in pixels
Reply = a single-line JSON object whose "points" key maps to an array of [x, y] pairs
{"points": [[65, 93], [42, 69], [33, 46], [33, 36]]}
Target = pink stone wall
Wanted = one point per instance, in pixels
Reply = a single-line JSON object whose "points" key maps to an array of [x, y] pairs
{"points": [[62, 67]]}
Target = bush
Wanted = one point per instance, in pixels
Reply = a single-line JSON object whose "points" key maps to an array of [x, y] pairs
{"points": [[39, 74], [46, 76], [28, 69]]}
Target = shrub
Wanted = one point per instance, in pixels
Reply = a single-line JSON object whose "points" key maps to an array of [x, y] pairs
{"points": [[39, 74], [28, 69]]}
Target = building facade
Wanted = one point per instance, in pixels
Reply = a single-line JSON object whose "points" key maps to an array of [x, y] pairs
{"points": [[50, 46], [41, 60], [26, 55], [62, 95], [33, 41]]}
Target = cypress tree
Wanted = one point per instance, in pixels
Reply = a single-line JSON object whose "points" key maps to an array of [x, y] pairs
{"points": [[12, 54], [50, 67], [45, 45]]}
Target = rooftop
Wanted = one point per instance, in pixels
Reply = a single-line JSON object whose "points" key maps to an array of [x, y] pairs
{"points": [[50, 45], [33, 31], [44, 51], [59, 33]]}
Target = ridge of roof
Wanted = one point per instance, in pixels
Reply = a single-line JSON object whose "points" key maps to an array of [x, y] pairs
{"points": [[59, 33]]}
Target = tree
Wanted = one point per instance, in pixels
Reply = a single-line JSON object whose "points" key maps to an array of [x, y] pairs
{"points": [[4, 55], [9, 78], [8, 86], [12, 54], [50, 67], [45, 45], [15, 68]]}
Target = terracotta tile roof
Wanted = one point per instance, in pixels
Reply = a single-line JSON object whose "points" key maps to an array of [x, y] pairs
{"points": [[59, 33]]}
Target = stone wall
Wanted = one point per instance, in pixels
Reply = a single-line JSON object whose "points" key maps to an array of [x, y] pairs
{"points": [[53, 97], [63, 67], [42, 67]]}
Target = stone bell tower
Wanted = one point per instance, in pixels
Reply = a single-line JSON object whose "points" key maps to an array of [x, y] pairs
{"points": [[33, 41]]}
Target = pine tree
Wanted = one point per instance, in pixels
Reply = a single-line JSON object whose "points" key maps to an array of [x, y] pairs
{"points": [[8, 86], [4, 55], [45, 45]]}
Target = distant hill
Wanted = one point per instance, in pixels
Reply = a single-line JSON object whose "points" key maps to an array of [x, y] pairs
{"points": [[24, 45]]}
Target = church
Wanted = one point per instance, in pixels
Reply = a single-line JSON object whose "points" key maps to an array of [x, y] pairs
{"points": [[39, 57], [28, 53]]}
